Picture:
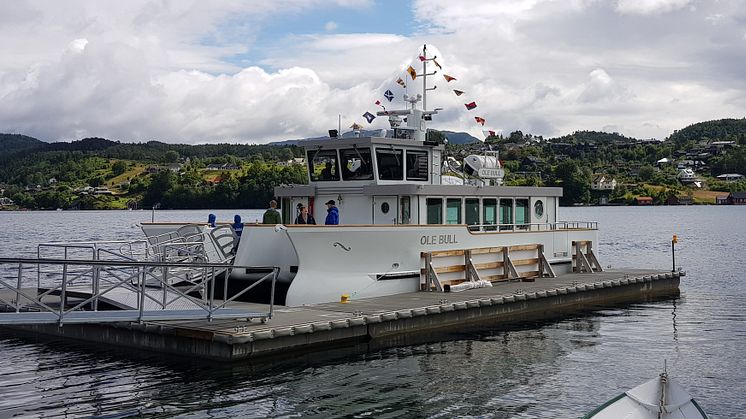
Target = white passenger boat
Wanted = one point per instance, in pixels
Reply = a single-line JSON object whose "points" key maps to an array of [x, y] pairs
{"points": [[399, 203], [659, 398]]}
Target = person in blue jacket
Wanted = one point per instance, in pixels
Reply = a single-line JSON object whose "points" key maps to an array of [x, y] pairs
{"points": [[237, 225], [332, 213]]}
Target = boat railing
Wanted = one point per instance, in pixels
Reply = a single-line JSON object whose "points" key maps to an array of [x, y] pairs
{"points": [[516, 227], [72, 291]]}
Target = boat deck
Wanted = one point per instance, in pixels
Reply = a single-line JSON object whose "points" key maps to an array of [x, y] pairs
{"points": [[319, 327]]}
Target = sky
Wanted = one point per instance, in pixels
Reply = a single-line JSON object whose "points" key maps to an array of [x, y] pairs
{"points": [[251, 71]]}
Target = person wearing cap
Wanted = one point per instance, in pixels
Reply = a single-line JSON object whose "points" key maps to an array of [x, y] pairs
{"points": [[332, 213], [272, 216]]}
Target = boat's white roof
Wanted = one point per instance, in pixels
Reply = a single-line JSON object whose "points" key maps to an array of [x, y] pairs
{"points": [[644, 401]]}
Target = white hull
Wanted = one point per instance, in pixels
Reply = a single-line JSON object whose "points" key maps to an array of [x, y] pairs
{"points": [[320, 263]]}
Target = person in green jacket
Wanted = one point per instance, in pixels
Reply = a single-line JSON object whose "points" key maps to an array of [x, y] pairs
{"points": [[272, 216]]}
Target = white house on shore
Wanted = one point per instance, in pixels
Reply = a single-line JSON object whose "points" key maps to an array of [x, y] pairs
{"points": [[730, 177], [603, 182]]}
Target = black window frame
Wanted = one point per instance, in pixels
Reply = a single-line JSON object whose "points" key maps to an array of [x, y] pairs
{"points": [[391, 151], [417, 154]]}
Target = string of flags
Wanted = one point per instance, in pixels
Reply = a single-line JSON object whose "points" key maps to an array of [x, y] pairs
{"points": [[401, 81]]}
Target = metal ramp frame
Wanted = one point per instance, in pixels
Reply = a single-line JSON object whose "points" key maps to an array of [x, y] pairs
{"points": [[74, 288]]}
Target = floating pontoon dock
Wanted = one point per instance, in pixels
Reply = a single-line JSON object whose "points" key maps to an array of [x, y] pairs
{"points": [[319, 327]]}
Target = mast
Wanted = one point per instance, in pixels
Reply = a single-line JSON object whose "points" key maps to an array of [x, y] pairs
{"points": [[424, 77]]}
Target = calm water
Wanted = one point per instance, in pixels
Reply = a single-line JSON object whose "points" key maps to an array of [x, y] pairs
{"points": [[560, 369]]}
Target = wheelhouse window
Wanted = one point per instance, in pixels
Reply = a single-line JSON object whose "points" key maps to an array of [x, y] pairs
{"points": [[356, 164], [390, 164], [489, 213], [323, 165], [471, 211], [417, 167], [453, 211], [434, 210]]}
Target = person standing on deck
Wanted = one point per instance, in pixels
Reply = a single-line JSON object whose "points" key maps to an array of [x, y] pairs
{"points": [[332, 213], [304, 217], [272, 216]]}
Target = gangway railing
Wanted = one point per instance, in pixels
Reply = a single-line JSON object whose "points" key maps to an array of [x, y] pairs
{"points": [[145, 288]]}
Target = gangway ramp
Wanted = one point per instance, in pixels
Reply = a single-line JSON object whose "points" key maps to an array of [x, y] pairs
{"points": [[78, 291]]}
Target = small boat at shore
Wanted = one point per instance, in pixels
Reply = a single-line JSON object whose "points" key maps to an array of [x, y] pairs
{"points": [[659, 398]]}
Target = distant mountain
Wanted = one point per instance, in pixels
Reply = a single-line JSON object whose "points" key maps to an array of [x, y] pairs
{"points": [[720, 129], [11, 143], [460, 137]]}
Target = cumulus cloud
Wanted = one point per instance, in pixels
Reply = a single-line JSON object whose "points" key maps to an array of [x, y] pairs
{"points": [[142, 70]]}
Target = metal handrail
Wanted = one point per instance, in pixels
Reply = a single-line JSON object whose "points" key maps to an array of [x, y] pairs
{"points": [[555, 226], [136, 282]]}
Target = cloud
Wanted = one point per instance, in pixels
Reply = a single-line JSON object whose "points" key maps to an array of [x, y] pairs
{"points": [[141, 70], [648, 7]]}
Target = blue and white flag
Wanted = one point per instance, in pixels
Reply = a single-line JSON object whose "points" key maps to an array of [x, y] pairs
{"points": [[388, 95], [369, 117]]}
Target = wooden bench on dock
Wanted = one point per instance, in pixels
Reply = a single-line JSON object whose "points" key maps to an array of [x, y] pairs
{"points": [[583, 258], [495, 264]]}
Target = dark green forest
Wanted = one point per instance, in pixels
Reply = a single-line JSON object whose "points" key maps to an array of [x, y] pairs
{"points": [[36, 174]]}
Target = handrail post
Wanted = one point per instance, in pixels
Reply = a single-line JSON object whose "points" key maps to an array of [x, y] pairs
{"points": [[212, 293], [275, 271], [163, 286], [18, 288], [141, 299], [63, 293]]}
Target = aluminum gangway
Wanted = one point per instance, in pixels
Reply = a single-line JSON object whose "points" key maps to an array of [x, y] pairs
{"points": [[169, 277]]}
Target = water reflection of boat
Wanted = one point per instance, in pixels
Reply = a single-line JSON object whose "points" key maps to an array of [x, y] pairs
{"points": [[399, 200], [659, 398]]}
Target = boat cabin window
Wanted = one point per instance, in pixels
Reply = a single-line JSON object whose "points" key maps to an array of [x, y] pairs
{"points": [[489, 213], [471, 211], [404, 205], [453, 211], [522, 215], [323, 165], [390, 164], [434, 210], [417, 167], [356, 164], [506, 213]]}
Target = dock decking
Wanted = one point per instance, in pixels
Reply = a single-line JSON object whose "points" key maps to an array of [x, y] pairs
{"points": [[322, 326]]}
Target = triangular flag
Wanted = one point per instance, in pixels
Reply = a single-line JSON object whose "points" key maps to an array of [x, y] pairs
{"points": [[388, 95], [370, 117], [488, 133], [458, 92], [479, 120], [470, 105], [422, 58], [412, 72], [436, 64], [448, 78], [356, 126], [401, 82], [378, 102]]}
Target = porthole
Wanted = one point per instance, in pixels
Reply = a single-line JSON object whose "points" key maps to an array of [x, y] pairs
{"points": [[539, 209], [385, 208]]}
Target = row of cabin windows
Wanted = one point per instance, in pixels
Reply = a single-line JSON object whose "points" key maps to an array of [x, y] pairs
{"points": [[493, 210], [356, 164]]}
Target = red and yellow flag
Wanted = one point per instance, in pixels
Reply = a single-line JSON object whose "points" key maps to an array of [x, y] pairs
{"points": [[479, 120]]}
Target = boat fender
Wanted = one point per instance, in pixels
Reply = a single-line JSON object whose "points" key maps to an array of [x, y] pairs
{"points": [[321, 326], [616, 283], [497, 300], [285, 331], [372, 319], [356, 321], [387, 317], [446, 308], [340, 324], [299, 330], [509, 299], [417, 312], [462, 286], [459, 306], [264, 335], [571, 290], [472, 304], [552, 293], [432, 310], [404, 314], [520, 297], [608, 284], [485, 302]]}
